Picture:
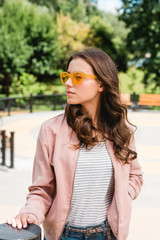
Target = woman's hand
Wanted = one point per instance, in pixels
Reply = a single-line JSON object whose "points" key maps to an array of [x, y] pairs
{"points": [[22, 220]]}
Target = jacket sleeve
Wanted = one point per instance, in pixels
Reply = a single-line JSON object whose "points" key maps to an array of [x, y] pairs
{"points": [[42, 190], [135, 175]]}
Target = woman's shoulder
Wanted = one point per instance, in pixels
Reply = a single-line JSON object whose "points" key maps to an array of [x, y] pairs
{"points": [[131, 126], [54, 122]]}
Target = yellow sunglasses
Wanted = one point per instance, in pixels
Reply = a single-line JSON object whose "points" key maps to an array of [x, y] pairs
{"points": [[76, 77]]}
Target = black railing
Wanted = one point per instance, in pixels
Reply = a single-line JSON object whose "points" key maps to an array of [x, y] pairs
{"points": [[29, 103], [7, 142], [55, 101]]}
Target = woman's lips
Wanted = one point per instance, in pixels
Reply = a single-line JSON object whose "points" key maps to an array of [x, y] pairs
{"points": [[69, 93]]}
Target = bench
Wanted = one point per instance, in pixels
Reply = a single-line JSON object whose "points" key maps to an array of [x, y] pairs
{"points": [[126, 99], [149, 99]]}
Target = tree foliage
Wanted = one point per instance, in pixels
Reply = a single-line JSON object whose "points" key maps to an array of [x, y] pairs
{"points": [[38, 36], [79, 10], [28, 41], [71, 37], [143, 41], [109, 35], [26, 84]]}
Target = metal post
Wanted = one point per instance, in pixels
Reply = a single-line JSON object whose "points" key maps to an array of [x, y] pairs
{"points": [[8, 106], [3, 147], [134, 102], [31, 103], [12, 150], [55, 101]]}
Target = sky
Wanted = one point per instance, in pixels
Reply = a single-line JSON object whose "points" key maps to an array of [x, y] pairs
{"points": [[109, 5]]}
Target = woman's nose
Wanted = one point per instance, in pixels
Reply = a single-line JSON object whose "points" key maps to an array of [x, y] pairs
{"points": [[69, 82]]}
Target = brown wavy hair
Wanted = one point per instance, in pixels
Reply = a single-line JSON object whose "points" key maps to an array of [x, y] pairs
{"points": [[113, 123]]}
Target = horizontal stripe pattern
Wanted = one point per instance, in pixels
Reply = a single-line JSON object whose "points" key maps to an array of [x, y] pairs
{"points": [[93, 187]]}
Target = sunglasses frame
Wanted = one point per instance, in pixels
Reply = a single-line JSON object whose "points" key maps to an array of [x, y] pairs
{"points": [[71, 75]]}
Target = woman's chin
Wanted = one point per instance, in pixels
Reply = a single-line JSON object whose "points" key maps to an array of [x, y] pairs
{"points": [[72, 102]]}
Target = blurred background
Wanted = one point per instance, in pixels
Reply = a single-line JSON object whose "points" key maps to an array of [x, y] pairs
{"points": [[38, 36], [36, 39]]}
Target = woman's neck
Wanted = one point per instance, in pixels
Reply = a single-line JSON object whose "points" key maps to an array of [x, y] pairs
{"points": [[93, 113]]}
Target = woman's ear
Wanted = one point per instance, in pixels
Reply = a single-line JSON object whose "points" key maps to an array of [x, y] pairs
{"points": [[101, 87]]}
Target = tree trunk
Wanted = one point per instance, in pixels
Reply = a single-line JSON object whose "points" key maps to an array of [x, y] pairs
{"points": [[8, 82]]}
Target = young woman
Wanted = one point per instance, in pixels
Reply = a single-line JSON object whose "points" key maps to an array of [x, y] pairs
{"points": [[86, 171]]}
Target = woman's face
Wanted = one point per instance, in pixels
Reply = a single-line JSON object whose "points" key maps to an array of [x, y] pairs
{"points": [[89, 91]]}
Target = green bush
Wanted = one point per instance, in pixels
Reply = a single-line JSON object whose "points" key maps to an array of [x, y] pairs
{"points": [[132, 82]]}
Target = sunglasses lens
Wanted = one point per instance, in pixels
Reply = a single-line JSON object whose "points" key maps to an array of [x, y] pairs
{"points": [[78, 77], [64, 77]]}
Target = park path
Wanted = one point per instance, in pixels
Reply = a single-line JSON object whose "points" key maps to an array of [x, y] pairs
{"points": [[145, 221]]}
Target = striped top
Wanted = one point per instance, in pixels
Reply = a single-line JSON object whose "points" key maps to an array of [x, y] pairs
{"points": [[93, 187]]}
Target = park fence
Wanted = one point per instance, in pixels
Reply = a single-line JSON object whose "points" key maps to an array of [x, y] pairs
{"points": [[56, 101], [32, 103], [7, 144]]}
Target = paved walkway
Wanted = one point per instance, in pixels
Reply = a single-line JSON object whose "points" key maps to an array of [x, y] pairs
{"points": [[145, 222]]}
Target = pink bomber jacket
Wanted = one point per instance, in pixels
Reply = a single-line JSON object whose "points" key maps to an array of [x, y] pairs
{"points": [[50, 194]]}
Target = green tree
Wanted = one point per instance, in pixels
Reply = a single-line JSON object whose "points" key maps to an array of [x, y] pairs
{"points": [[105, 32], [119, 33], [80, 10], [26, 84], [71, 37], [28, 42], [109, 36], [1, 2], [102, 35], [143, 41]]}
